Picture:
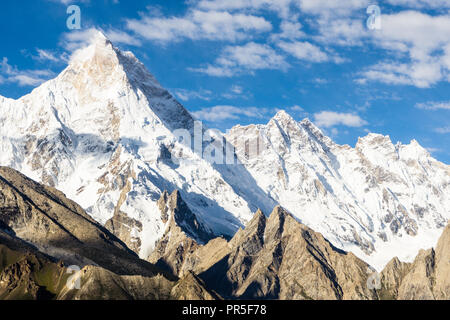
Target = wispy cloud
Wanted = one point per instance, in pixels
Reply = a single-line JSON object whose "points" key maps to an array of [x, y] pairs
{"points": [[47, 55], [307, 52], [418, 37], [234, 92], [74, 40], [433, 4], [122, 37], [187, 95], [23, 77], [433, 105], [198, 24], [434, 150], [222, 113], [247, 58], [443, 130], [328, 119], [291, 30], [281, 7]]}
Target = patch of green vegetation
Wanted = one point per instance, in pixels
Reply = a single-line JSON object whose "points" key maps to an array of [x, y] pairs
{"points": [[46, 277], [52, 277], [385, 294], [8, 257]]}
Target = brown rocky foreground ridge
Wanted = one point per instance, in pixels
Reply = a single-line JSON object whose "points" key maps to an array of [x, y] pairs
{"points": [[43, 234]]}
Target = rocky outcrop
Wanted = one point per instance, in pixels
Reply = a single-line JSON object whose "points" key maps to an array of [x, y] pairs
{"points": [[100, 284], [60, 228], [191, 287], [26, 273], [184, 233], [48, 244], [441, 287], [279, 258], [427, 278], [126, 229], [276, 257]]}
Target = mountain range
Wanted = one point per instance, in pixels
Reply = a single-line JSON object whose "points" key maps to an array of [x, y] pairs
{"points": [[147, 204]]}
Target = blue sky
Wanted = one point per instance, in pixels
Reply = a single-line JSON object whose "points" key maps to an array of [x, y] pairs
{"points": [[239, 61]]}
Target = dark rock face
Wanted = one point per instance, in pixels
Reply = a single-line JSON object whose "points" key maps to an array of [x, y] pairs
{"points": [[184, 233], [276, 258], [125, 229], [25, 273], [60, 228], [42, 233], [279, 258]]}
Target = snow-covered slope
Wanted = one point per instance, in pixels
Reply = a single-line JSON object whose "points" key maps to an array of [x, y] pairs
{"points": [[377, 200], [108, 135], [103, 133]]}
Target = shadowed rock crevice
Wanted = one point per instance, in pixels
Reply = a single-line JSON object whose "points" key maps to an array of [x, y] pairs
{"points": [[184, 233]]}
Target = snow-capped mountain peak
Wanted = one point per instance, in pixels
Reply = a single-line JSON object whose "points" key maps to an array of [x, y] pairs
{"points": [[104, 132], [107, 134]]}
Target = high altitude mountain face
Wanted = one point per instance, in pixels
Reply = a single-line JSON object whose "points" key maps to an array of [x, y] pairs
{"points": [[104, 132], [108, 135], [44, 235], [377, 200], [277, 257], [58, 227]]}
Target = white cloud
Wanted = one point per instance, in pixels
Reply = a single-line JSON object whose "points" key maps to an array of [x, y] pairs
{"points": [[434, 105], [67, 2], [77, 39], [423, 41], [215, 71], [281, 7], [433, 4], [291, 30], [443, 130], [334, 132], [44, 55], [419, 74], [304, 51], [222, 113], [236, 89], [247, 58], [419, 32], [117, 36], [296, 108], [320, 81], [22, 77], [197, 25], [298, 111], [235, 92], [332, 7], [187, 95], [328, 119], [433, 150]]}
